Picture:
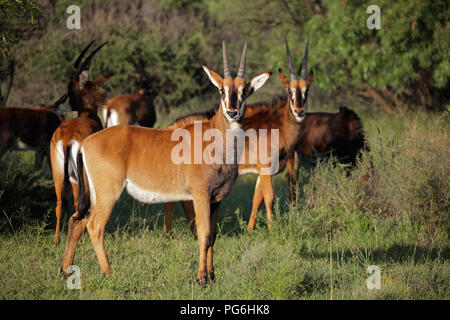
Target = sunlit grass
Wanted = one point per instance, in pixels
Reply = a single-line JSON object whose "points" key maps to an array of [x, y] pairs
{"points": [[397, 221]]}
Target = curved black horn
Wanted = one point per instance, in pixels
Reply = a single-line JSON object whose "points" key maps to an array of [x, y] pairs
{"points": [[291, 65], [303, 74], [226, 69], [59, 101], [241, 70], [80, 57], [86, 63]]}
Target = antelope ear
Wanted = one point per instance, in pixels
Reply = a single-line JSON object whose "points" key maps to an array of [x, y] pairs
{"points": [[83, 78], [215, 78], [284, 80], [258, 81], [102, 79], [310, 78]]}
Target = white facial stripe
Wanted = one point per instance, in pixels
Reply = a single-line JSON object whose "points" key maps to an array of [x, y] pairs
{"points": [[241, 100], [293, 101], [227, 96]]}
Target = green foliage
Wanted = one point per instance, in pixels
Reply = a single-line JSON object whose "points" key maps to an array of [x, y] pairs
{"points": [[161, 45], [410, 49], [394, 216], [14, 16]]}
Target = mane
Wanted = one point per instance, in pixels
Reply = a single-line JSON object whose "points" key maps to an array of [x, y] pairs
{"points": [[194, 116], [254, 108]]}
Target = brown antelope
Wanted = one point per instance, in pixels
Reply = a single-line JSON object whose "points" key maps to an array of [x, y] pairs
{"points": [[130, 109], [141, 160], [287, 116], [85, 97], [24, 129], [340, 134], [27, 129]]}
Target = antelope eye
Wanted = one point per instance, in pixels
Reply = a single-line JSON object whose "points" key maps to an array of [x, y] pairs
{"points": [[290, 94]]}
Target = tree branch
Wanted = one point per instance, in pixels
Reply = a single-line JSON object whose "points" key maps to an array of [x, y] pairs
{"points": [[377, 97]]}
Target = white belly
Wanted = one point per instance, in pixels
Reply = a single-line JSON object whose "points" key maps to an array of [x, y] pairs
{"points": [[247, 171], [147, 196]]}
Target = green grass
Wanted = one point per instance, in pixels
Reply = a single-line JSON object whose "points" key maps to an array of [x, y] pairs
{"points": [[398, 221]]}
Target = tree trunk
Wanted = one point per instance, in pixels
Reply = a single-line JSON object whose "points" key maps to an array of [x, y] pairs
{"points": [[377, 97], [393, 97]]}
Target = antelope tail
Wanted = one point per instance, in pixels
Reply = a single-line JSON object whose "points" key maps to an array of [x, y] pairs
{"points": [[83, 195], [66, 187]]}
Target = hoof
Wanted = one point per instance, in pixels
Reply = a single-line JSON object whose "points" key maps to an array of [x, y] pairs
{"points": [[212, 277], [202, 280], [64, 274]]}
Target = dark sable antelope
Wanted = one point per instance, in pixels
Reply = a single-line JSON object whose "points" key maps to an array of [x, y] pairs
{"points": [[135, 109], [29, 129], [141, 160], [339, 134], [286, 117], [85, 97]]}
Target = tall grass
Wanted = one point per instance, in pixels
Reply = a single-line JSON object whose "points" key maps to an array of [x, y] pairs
{"points": [[394, 216]]}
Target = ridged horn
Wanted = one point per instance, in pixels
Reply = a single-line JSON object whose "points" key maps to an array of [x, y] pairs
{"points": [[86, 63], [241, 71], [76, 65], [291, 65], [226, 69], [304, 71], [59, 101]]}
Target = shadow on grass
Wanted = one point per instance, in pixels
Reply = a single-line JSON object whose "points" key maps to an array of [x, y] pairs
{"points": [[395, 253]]}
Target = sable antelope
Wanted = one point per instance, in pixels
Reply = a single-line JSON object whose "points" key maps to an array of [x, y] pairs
{"points": [[130, 109], [339, 134], [85, 97], [24, 129], [27, 129], [287, 116], [140, 159]]}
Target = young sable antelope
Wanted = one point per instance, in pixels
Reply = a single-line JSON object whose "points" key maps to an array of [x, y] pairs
{"points": [[140, 160], [286, 117], [84, 97]]}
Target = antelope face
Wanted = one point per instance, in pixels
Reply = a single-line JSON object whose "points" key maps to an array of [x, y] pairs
{"points": [[297, 90], [234, 91]]}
